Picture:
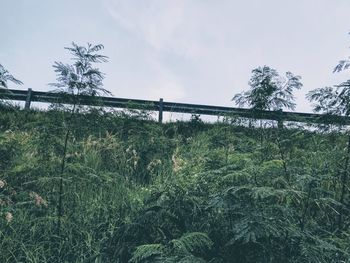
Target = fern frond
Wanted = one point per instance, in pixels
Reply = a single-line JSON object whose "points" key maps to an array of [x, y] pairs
{"points": [[195, 242], [191, 259], [145, 252], [178, 259], [249, 230]]}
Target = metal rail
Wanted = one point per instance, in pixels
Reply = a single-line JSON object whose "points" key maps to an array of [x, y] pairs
{"points": [[163, 106]]}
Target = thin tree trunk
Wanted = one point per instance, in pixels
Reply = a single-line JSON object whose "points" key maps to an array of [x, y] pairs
{"points": [[60, 198], [63, 165]]}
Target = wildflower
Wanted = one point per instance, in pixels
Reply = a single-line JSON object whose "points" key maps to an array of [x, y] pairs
{"points": [[135, 163], [231, 148], [153, 164], [3, 202], [2, 184], [39, 201], [176, 163], [8, 217], [134, 157], [188, 139]]}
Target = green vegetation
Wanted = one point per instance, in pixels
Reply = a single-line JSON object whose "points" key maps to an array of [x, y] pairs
{"points": [[269, 91], [138, 191], [5, 77], [80, 184]]}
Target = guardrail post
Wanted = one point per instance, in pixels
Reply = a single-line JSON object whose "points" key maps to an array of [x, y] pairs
{"points": [[160, 113], [28, 99], [280, 119]]}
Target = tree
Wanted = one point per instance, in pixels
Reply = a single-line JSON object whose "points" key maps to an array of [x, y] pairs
{"points": [[5, 76], [81, 78], [269, 91], [333, 100], [78, 79], [336, 101]]}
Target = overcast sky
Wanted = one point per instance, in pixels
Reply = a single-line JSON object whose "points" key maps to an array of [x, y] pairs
{"points": [[198, 51]]}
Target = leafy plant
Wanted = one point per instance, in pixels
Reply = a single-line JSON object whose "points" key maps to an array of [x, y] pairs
{"points": [[77, 80], [137, 191], [269, 91], [336, 101], [185, 249], [5, 77]]}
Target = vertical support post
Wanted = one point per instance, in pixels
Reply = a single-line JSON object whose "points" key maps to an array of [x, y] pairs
{"points": [[280, 124], [28, 99], [160, 113], [280, 119]]}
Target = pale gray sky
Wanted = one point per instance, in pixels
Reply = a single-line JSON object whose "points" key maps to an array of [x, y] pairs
{"points": [[198, 51]]}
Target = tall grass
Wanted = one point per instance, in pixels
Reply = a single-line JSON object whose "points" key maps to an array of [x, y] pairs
{"points": [[138, 191]]}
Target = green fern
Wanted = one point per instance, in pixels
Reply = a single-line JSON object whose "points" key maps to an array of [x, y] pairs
{"points": [[195, 242], [179, 259], [250, 230], [314, 249], [146, 252]]}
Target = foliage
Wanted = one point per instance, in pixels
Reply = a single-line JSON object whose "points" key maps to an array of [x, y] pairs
{"points": [[333, 100], [81, 78], [5, 77], [137, 191], [177, 250], [77, 80], [92, 185], [269, 91]]}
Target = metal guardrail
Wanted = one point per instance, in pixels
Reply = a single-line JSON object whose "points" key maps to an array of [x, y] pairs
{"points": [[163, 106]]}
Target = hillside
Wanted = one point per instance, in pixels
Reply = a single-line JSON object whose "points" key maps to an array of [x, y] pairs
{"points": [[137, 191]]}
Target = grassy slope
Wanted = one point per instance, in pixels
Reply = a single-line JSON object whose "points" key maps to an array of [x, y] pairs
{"points": [[137, 191]]}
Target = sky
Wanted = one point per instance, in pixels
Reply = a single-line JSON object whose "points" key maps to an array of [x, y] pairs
{"points": [[194, 51]]}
